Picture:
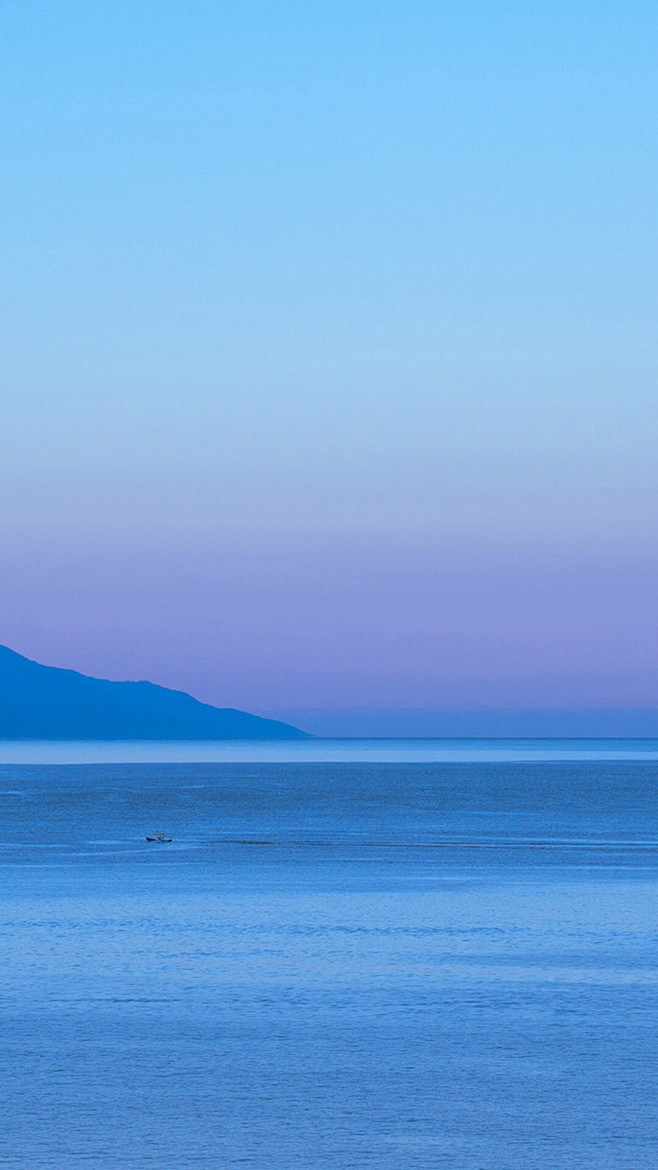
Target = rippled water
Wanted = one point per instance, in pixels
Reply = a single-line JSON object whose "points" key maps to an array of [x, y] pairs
{"points": [[333, 965]]}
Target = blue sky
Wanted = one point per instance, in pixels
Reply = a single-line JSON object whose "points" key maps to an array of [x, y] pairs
{"points": [[330, 360]]}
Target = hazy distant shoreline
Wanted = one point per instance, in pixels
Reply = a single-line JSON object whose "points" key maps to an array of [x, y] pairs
{"points": [[327, 751]]}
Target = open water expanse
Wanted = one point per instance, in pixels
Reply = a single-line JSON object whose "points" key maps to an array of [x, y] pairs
{"points": [[335, 964]]}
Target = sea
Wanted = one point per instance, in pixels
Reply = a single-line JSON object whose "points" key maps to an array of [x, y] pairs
{"points": [[351, 955]]}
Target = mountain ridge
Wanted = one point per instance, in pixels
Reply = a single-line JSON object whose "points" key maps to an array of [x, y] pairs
{"points": [[51, 702]]}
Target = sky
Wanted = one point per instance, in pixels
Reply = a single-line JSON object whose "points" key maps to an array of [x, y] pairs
{"points": [[329, 368]]}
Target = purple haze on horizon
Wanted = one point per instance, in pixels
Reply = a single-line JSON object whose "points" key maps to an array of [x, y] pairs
{"points": [[401, 627]]}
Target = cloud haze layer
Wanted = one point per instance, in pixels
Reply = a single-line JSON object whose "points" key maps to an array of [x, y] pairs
{"points": [[330, 373]]}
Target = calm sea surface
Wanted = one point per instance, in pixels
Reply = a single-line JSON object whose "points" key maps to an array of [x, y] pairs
{"points": [[445, 957]]}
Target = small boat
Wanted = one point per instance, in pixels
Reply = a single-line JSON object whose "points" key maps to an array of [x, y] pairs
{"points": [[161, 839]]}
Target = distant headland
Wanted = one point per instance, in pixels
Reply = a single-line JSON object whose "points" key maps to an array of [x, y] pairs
{"points": [[45, 702]]}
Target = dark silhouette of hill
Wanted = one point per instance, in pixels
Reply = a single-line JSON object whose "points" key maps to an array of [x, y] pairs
{"points": [[44, 702]]}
